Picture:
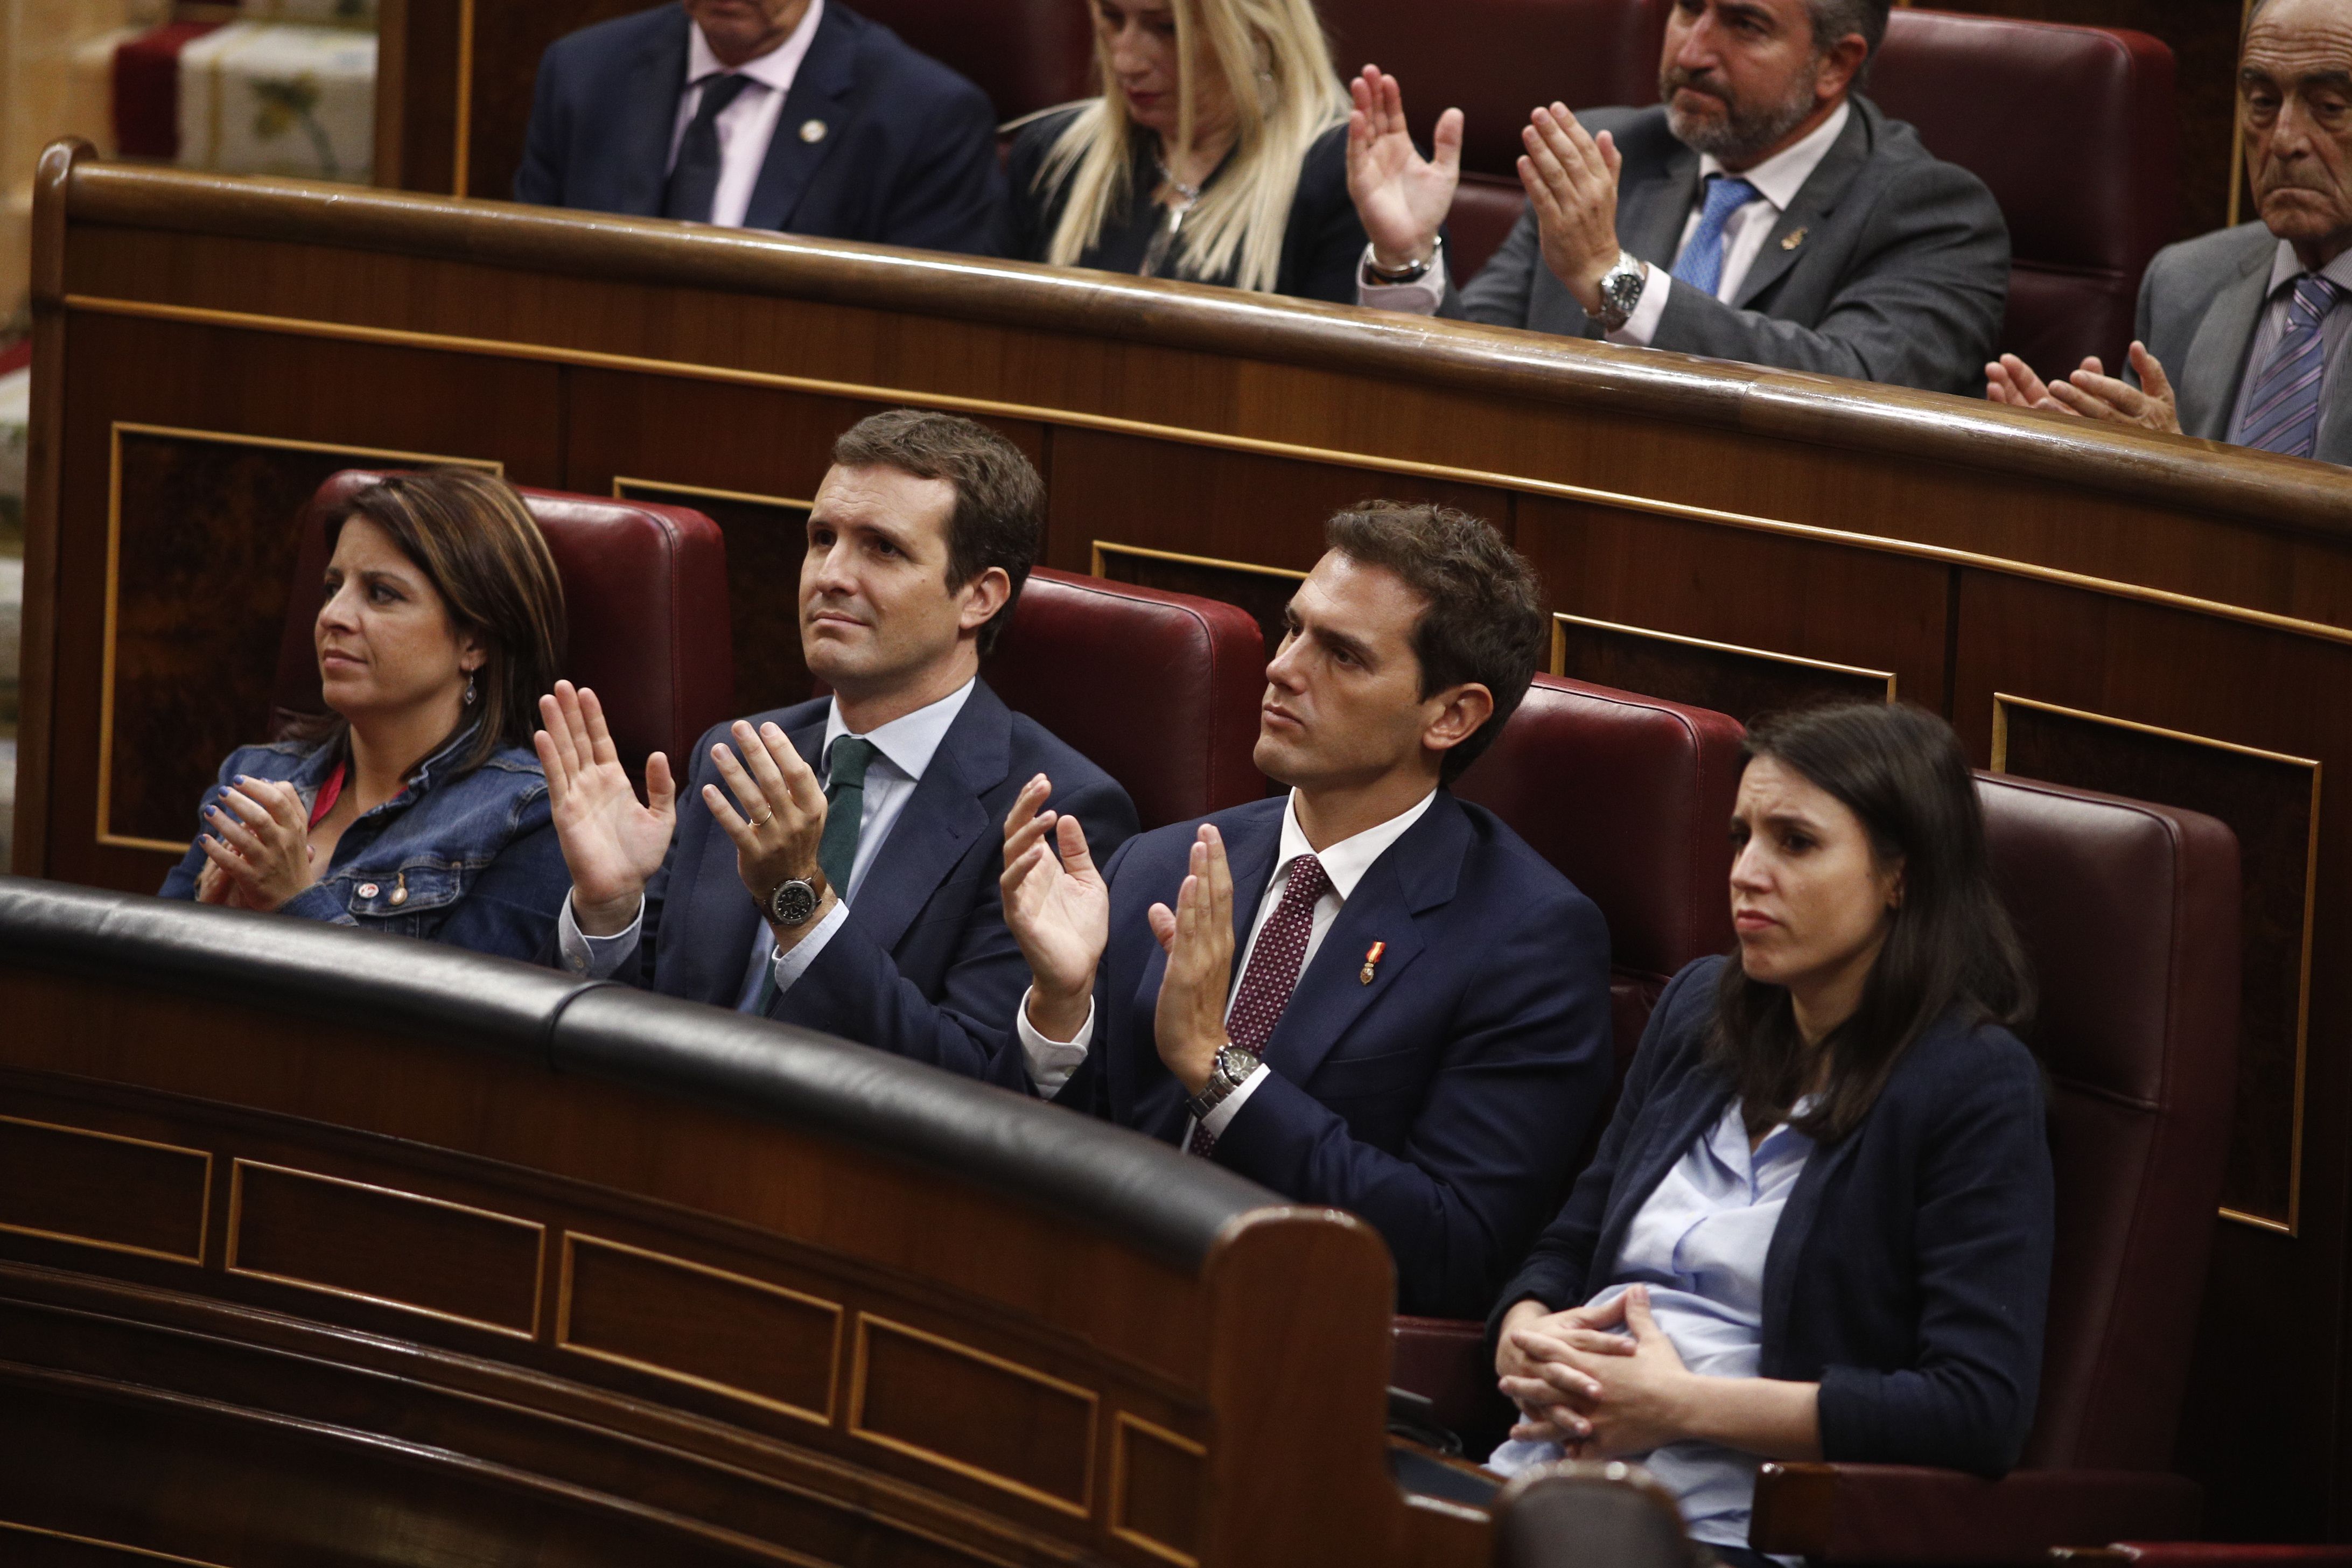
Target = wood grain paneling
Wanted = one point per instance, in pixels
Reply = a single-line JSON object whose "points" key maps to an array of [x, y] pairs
{"points": [[767, 540], [710, 1328], [974, 1414], [1155, 1501], [1264, 591], [100, 1189], [397, 1249], [1744, 682]]}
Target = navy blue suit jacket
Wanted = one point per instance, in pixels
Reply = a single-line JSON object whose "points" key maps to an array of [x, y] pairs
{"points": [[908, 156], [924, 966], [1445, 1101], [1909, 1275]]}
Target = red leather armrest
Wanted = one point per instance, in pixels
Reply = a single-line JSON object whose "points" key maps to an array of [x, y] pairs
{"points": [[1905, 1514], [2205, 1554]]}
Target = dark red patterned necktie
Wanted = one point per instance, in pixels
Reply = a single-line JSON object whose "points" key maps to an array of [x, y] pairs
{"points": [[1273, 971]]}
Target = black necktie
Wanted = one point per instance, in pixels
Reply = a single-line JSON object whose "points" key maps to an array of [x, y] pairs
{"points": [[694, 183]]}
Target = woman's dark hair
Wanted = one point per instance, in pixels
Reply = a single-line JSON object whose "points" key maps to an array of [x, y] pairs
{"points": [[1949, 942], [473, 539]]}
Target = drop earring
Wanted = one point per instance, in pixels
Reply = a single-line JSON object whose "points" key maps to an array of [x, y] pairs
{"points": [[470, 688]]}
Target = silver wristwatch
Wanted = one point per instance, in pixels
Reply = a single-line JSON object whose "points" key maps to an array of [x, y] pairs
{"points": [[1232, 1068], [794, 902], [1620, 290], [1412, 271]]}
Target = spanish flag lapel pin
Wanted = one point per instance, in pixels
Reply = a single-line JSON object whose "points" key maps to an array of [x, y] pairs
{"points": [[1796, 238], [1371, 963]]}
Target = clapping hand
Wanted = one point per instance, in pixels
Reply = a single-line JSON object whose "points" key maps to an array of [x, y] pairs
{"points": [[1056, 907], [1572, 179], [781, 822], [612, 844], [1402, 197], [259, 847], [1198, 936], [2090, 391]]}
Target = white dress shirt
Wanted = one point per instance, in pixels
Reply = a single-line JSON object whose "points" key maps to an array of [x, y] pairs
{"points": [[2286, 267], [748, 125], [1778, 179], [906, 746], [1050, 1062]]}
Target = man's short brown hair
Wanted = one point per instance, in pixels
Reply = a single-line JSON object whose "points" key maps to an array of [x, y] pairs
{"points": [[1000, 500], [1485, 618]]}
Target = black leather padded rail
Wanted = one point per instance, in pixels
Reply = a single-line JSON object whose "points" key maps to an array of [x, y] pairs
{"points": [[1145, 1193]]}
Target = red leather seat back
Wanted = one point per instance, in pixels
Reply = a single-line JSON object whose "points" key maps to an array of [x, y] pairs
{"points": [[1631, 798], [2129, 913], [1026, 54], [2084, 217], [1159, 691], [1485, 208], [1497, 59], [644, 591]]}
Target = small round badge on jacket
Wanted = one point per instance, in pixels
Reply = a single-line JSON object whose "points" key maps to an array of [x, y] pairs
{"points": [[811, 130]]}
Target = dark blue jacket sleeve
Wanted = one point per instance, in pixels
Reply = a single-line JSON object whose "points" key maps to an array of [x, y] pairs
{"points": [[1512, 1100], [853, 988], [1088, 1089], [1982, 1246], [540, 178]]}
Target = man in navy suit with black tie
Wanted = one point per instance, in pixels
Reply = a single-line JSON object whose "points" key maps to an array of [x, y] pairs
{"points": [[798, 115], [837, 865], [1418, 1028]]}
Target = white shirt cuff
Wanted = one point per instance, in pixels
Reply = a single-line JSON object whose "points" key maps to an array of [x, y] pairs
{"points": [[1643, 325], [1050, 1062], [788, 967], [598, 957], [1221, 1115], [1422, 297]]}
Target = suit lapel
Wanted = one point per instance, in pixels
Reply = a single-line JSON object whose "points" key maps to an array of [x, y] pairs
{"points": [[1815, 200], [941, 820], [820, 95], [1655, 211], [1417, 874], [2217, 354], [656, 81]]}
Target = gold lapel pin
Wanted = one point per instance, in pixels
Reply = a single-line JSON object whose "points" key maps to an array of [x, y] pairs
{"points": [[1796, 238], [1372, 962], [811, 130]]}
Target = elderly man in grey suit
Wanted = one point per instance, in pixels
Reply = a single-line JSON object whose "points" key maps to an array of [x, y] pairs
{"points": [[1763, 212], [2253, 319]]}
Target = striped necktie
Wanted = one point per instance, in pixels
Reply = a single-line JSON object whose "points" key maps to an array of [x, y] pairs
{"points": [[1701, 263], [2282, 411]]}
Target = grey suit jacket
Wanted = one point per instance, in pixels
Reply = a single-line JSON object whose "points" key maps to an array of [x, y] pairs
{"points": [[2200, 303], [1898, 270]]}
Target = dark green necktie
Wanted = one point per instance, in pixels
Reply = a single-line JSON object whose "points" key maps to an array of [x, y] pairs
{"points": [[844, 810], [836, 852]]}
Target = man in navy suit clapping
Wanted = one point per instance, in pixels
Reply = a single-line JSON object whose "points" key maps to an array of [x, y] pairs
{"points": [[798, 115], [1418, 1026]]}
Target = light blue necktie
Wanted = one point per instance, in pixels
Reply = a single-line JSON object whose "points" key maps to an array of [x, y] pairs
{"points": [[2282, 411], [1701, 263]]}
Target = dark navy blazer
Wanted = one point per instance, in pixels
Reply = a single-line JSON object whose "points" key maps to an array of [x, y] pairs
{"points": [[1445, 1101], [924, 966], [907, 157], [1909, 1274]]}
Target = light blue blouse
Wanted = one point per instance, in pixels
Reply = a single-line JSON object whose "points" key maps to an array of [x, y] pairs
{"points": [[1699, 1243]]}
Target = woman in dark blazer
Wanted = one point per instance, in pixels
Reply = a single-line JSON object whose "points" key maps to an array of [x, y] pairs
{"points": [[1819, 1222], [1217, 153]]}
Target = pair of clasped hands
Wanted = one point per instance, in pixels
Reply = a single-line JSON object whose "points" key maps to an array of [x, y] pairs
{"points": [[1604, 1381]]}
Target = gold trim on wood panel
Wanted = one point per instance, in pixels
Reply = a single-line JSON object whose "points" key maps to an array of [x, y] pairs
{"points": [[858, 1360], [2003, 701], [236, 1216], [204, 1210], [120, 429], [1121, 1425], [1560, 649], [1104, 546], [1078, 419], [621, 484], [10, 1525], [732, 1391]]}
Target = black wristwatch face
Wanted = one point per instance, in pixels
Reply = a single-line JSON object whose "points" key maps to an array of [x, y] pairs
{"points": [[793, 903]]}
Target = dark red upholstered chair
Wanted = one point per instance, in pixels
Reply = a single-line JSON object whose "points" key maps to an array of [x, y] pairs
{"points": [[1496, 60], [1026, 54], [1159, 691], [2082, 227], [644, 590], [1630, 796], [2129, 912]]}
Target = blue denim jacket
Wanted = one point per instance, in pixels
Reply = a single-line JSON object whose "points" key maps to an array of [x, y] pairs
{"points": [[470, 860]]}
